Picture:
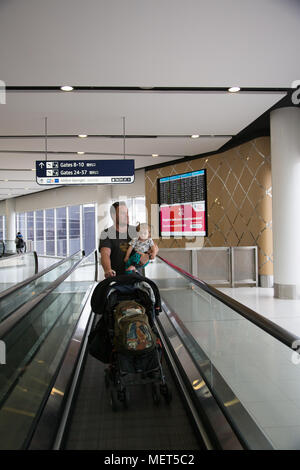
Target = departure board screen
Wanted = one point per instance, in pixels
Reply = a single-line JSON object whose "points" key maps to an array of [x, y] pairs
{"points": [[182, 204]]}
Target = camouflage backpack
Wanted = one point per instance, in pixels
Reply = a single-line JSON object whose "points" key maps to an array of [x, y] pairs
{"points": [[132, 332]]}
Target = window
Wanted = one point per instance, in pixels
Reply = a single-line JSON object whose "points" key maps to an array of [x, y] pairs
{"points": [[50, 235], [21, 221], [140, 209], [136, 209], [30, 226], [39, 232], [74, 229], [89, 227], [58, 232], [61, 231]]}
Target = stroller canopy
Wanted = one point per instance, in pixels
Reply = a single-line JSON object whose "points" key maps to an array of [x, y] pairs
{"points": [[124, 283]]}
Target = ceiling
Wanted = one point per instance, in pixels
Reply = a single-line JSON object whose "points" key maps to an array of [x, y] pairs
{"points": [[202, 46]]}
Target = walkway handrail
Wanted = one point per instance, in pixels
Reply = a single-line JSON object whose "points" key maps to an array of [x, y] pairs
{"points": [[9, 323], [284, 336], [35, 276]]}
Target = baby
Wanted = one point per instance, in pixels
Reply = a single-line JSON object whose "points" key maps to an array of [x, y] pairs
{"points": [[143, 246]]}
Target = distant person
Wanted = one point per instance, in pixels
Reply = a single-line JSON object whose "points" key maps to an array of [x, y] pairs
{"points": [[20, 244], [143, 247], [114, 241]]}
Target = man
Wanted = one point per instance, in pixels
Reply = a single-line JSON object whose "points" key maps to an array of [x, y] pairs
{"points": [[114, 241], [20, 244]]}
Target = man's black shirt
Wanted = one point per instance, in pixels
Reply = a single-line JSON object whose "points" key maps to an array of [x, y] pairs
{"points": [[118, 242]]}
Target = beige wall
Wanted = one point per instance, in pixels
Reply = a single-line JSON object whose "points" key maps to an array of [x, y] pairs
{"points": [[238, 196]]}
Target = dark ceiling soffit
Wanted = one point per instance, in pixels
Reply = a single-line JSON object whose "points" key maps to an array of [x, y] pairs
{"points": [[102, 136], [136, 89]]}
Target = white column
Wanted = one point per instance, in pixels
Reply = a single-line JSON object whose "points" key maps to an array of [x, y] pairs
{"points": [[285, 163], [10, 212]]}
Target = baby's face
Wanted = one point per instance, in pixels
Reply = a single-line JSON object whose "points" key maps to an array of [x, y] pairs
{"points": [[144, 234]]}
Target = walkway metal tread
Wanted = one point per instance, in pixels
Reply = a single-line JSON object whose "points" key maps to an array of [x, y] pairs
{"points": [[143, 426]]}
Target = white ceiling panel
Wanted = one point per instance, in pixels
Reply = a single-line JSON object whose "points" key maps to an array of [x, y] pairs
{"points": [[137, 43], [142, 42], [145, 113]]}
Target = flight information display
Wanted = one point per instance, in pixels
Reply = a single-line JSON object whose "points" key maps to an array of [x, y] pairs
{"points": [[183, 204]]}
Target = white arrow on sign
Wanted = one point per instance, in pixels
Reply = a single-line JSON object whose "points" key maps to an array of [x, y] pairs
{"points": [[41, 164]]}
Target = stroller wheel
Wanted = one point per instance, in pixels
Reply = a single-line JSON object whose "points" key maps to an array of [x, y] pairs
{"points": [[113, 400], [155, 394], [166, 392]]}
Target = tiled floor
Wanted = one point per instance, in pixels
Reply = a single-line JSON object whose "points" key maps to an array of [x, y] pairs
{"points": [[285, 313]]}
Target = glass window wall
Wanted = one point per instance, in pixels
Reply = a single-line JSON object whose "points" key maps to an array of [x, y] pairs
{"points": [[58, 232], [50, 232], [89, 228], [74, 229], [30, 226], [39, 232], [61, 231]]}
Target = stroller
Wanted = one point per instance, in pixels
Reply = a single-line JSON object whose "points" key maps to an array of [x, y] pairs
{"points": [[131, 366]]}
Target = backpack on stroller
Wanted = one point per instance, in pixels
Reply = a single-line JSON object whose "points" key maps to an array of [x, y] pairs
{"points": [[125, 337]]}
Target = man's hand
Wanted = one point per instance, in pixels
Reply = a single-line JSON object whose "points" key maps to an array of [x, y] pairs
{"points": [[110, 273]]}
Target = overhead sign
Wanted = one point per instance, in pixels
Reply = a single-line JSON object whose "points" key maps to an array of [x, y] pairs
{"points": [[84, 171]]}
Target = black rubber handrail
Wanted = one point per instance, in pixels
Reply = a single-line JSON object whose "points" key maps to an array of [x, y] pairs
{"points": [[9, 323], [282, 335], [35, 276]]}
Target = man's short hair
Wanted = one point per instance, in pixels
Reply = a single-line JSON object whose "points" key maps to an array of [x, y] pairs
{"points": [[115, 205]]}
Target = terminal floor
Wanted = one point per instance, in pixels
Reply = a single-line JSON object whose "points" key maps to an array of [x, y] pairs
{"points": [[283, 312]]}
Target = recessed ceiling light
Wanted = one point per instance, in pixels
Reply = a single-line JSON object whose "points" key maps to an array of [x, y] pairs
{"points": [[80, 153], [234, 89], [154, 155], [195, 136], [66, 88], [82, 135]]}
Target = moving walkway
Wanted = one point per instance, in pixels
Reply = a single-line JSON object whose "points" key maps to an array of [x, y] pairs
{"points": [[53, 394]]}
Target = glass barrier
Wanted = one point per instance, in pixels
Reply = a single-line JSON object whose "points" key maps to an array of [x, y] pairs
{"points": [[14, 269], [19, 297], [34, 350], [87, 269], [234, 354]]}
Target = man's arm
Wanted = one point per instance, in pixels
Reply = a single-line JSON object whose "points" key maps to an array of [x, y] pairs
{"points": [[153, 251], [106, 263], [128, 253]]}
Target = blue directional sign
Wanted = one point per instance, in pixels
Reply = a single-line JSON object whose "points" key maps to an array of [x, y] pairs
{"points": [[61, 172]]}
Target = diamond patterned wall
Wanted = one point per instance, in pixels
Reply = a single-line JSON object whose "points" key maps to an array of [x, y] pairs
{"points": [[239, 198]]}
